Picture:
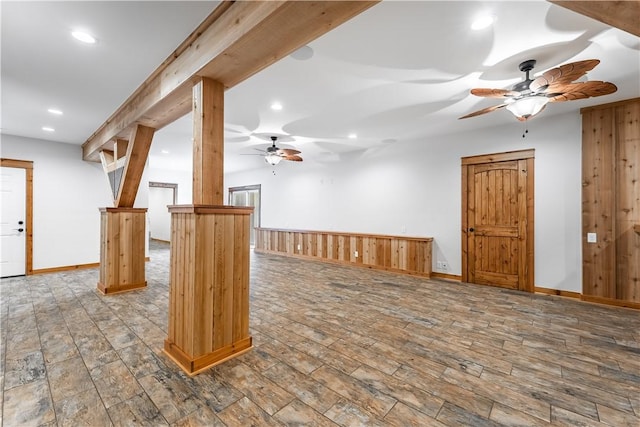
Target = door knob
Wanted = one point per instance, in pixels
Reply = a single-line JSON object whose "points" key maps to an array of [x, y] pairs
{"points": [[471, 229], [20, 222], [19, 229]]}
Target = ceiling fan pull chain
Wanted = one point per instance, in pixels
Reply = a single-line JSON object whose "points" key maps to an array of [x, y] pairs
{"points": [[526, 129]]}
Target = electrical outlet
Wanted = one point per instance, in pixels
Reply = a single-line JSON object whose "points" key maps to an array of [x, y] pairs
{"points": [[355, 253], [592, 238], [299, 247], [438, 264]]}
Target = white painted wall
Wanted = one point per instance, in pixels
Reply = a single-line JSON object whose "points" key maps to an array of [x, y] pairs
{"points": [[173, 176], [67, 193], [414, 189], [410, 188]]}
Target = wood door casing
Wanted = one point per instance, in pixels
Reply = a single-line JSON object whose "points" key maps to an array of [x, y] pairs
{"points": [[497, 220]]}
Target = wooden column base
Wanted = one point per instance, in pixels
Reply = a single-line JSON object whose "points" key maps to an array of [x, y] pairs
{"points": [[106, 290], [122, 246], [194, 366], [209, 285]]}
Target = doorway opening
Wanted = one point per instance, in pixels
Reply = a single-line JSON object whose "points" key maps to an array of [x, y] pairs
{"points": [[161, 195], [248, 195]]}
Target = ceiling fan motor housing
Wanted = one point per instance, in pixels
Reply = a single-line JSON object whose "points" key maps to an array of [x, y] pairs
{"points": [[525, 67]]}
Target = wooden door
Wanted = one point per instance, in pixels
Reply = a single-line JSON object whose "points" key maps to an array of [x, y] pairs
{"points": [[497, 220]]}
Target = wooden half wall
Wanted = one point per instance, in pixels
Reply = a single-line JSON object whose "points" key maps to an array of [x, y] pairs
{"points": [[611, 203], [401, 254]]}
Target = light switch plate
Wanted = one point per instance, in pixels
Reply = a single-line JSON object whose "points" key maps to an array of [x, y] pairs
{"points": [[592, 238]]}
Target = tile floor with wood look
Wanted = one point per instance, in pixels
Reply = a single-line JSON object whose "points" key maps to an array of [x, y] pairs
{"points": [[334, 346]]}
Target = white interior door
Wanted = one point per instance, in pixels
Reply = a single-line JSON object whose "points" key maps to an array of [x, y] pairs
{"points": [[13, 189], [159, 216]]}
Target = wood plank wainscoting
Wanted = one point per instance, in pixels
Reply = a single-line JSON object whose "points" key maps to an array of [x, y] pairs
{"points": [[401, 254], [122, 243], [209, 285], [611, 203]]}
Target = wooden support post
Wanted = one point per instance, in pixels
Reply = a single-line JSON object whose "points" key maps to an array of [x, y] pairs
{"points": [[209, 279], [122, 243], [209, 285], [208, 142]]}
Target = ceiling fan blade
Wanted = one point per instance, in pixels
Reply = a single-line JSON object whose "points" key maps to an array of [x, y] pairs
{"points": [[574, 91], [566, 73], [494, 93], [483, 111], [287, 151], [292, 158]]}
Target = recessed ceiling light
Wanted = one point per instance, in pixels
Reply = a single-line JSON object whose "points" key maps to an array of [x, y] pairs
{"points": [[353, 136], [55, 111], [48, 129], [482, 21], [164, 151], [276, 106], [83, 37]]}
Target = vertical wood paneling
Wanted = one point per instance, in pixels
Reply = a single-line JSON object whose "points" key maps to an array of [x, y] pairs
{"points": [[597, 203], [122, 249], [209, 289], [611, 200], [628, 202], [402, 254]]}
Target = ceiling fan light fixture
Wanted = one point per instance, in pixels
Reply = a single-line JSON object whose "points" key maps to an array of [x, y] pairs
{"points": [[528, 106], [272, 158]]}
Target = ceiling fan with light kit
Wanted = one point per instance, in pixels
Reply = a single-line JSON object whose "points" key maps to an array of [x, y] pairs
{"points": [[274, 154], [529, 97]]}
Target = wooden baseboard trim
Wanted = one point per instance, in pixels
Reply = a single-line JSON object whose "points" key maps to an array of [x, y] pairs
{"points": [[340, 262], [611, 301], [120, 289], [64, 268], [446, 276], [557, 292], [68, 268], [159, 240], [194, 365]]}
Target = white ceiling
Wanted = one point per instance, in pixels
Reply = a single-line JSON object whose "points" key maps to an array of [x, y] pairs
{"points": [[399, 72]]}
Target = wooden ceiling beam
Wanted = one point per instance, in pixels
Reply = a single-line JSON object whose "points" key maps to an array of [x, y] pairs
{"points": [[236, 41], [624, 15]]}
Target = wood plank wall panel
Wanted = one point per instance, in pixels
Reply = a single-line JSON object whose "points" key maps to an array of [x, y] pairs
{"points": [[611, 201], [122, 249], [597, 201], [628, 201], [209, 285], [409, 255]]}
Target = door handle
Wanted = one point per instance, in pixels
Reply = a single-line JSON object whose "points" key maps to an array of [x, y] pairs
{"points": [[471, 229]]}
